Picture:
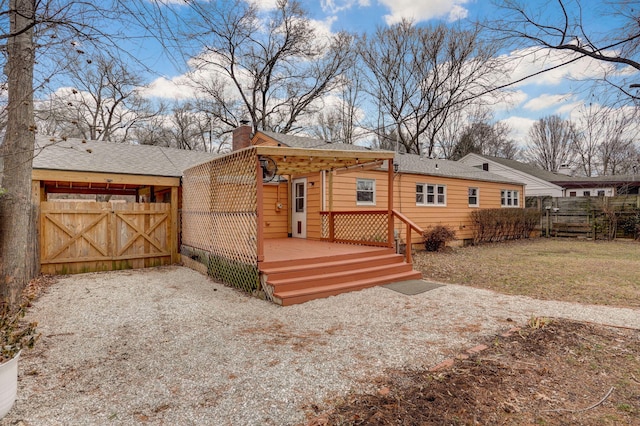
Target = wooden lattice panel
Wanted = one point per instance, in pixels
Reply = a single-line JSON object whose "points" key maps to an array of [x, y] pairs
{"points": [[219, 218], [356, 227]]}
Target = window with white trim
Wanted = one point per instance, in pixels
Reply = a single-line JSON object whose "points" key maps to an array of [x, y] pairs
{"points": [[474, 197], [366, 192], [509, 198], [428, 194]]}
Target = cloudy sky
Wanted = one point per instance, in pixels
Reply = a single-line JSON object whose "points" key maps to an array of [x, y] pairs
{"points": [[560, 91]]}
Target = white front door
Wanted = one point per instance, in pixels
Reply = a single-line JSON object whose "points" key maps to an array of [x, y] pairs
{"points": [[299, 209]]}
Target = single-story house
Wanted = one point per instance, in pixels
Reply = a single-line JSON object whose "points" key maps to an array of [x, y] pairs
{"points": [[286, 217], [257, 215], [542, 183]]}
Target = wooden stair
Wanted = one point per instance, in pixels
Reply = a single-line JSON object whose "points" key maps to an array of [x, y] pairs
{"points": [[301, 280]]}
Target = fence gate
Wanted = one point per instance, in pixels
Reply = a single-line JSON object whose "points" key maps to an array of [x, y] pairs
{"points": [[80, 237]]}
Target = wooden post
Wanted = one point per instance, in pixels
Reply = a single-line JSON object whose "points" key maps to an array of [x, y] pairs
{"points": [[37, 196], [390, 233], [332, 229], [407, 246], [259, 213], [175, 250]]}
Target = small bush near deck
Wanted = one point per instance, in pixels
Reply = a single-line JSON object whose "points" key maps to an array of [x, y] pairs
{"points": [[436, 238], [491, 225]]}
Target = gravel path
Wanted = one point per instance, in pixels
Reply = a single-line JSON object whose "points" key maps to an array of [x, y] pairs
{"points": [[169, 346]]}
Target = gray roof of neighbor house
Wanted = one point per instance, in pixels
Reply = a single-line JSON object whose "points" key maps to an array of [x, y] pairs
{"points": [[561, 179], [108, 157], [408, 163], [531, 170]]}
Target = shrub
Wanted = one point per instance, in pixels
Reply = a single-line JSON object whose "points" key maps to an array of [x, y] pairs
{"points": [[491, 225], [436, 238]]}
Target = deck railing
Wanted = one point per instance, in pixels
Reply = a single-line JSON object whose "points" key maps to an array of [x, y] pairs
{"points": [[409, 226], [368, 227]]}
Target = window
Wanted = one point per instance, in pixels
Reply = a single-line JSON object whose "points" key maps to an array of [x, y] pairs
{"points": [[586, 193], [509, 198], [485, 167], [431, 195], [366, 192], [600, 193], [572, 193], [473, 197], [299, 201]]}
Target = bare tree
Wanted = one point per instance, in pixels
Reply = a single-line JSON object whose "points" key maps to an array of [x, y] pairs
{"points": [[187, 127], [551, 143], [103, 102], [18, 228], [559, 25], [589, 136], [340, 120], [270, 69], [421, 76], [605, 140], [482, 135]]}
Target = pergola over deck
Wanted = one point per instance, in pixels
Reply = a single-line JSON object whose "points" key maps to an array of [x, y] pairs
{"points": [[223, 226]]}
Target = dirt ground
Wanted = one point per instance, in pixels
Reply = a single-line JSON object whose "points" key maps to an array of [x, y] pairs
{"points": [[550, 372]]}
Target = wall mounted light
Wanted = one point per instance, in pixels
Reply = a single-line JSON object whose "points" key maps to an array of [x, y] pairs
{"points": [[396, 167]]}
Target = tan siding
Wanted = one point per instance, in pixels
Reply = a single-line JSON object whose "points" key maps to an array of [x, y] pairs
{"points": [[456, 213], [275, 218]]}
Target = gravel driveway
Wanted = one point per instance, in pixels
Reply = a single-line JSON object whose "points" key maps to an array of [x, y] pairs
{"points": [[170, 346]]}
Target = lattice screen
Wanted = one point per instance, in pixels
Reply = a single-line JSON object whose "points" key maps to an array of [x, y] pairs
{"points": [[369, 228], [219, 218]]}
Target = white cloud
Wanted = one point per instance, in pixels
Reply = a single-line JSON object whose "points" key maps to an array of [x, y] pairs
{"points": [[264, 4], [424, 10], [163, 88], [323, 28], [546, 101], [525, 62], [335, 6], [519, 128], [569, 108], [457, 13]]}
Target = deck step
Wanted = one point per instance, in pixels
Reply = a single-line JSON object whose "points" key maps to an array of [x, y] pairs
{"points": [[335, 264], [284, 264], [327, 278], [308, 279], [291, 297]]}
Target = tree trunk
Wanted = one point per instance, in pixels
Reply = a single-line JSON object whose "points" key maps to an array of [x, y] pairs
{"points": [[18, 239]]}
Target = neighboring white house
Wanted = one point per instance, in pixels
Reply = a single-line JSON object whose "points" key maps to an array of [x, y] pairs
{"points": [[540, 182]]}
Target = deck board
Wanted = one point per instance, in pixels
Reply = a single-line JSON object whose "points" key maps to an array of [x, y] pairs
{"points": [[279, 249]]}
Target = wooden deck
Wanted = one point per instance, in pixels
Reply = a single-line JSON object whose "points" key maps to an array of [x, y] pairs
{"points": [[292, 249], [298, 270]]}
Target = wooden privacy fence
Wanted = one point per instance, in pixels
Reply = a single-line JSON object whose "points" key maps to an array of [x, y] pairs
{"points": [[589, 217], [90, 236]]}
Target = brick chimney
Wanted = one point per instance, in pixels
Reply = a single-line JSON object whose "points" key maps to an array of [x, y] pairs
{"points": [[241, 136]]}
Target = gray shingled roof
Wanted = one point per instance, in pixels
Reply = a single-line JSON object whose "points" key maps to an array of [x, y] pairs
{"points": [[559, 178], [532, 170], [109, 157], [409, 163], [311, 143]]}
